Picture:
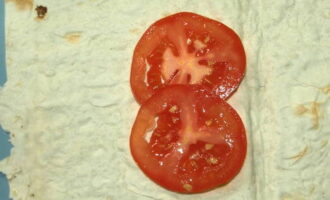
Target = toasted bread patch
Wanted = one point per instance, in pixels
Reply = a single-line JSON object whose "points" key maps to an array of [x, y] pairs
{"points": [[22, 4]]}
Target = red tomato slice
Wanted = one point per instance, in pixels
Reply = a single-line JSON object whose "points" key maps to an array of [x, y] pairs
{"points": [[188, 140], [186, 48]]}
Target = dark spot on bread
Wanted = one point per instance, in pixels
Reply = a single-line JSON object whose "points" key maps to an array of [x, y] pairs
{"points": [[41, 11]]}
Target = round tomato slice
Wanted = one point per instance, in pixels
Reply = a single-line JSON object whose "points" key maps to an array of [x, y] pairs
{"points": [[186, 48], [188, 140]]}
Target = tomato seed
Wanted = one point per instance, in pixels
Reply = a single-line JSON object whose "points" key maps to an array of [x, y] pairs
{"points": [[207, 39], [173, 109], [208, 122], [213, 160], [208, 146], [199, 45], [187, 187]]}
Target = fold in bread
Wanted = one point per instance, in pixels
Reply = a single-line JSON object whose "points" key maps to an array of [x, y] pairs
{"points": [[68, 106]]}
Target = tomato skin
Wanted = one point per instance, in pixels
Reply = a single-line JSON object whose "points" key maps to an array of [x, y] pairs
{"points": [[172, 170], [226, 67]]}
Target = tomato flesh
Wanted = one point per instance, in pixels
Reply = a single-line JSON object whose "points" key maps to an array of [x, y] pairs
{"points": [[186, 48], [188, 140]]}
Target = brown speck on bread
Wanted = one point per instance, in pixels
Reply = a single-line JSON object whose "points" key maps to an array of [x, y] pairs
{"points": [[300, 155], [326, 90], [300, 110], [135, 31], [73, 37], [313, 110], [41, 11]]}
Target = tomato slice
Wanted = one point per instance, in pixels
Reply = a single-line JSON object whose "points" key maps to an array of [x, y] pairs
{"points": [[188, 140], [186, 48]]}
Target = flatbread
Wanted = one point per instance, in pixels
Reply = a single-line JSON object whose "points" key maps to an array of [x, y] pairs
{"points": [[68, 106]]}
